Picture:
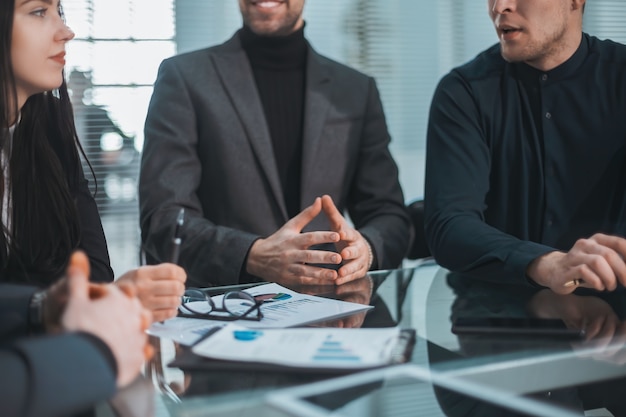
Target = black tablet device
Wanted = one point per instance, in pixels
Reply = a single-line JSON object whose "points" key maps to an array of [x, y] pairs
{"points": [[516, 326]]}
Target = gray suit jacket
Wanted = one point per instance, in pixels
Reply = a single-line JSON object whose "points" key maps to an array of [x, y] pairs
{"points": [[208, 148]]}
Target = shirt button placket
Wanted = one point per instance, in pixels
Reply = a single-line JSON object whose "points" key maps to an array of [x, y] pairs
{"points": [[544, 78]]}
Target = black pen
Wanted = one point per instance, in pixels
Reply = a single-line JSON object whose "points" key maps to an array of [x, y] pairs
{"points": [[176, 241]]}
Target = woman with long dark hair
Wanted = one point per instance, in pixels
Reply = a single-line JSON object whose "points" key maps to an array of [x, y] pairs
{"points": [[47, 211]]}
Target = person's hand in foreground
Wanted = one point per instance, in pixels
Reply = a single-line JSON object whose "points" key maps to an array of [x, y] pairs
{"points": [[113, 314]]}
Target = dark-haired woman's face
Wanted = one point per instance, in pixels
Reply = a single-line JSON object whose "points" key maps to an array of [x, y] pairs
{"points": [[38, 46]]}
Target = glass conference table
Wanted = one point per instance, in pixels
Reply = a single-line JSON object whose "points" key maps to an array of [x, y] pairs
{"points": [[446, 375]]}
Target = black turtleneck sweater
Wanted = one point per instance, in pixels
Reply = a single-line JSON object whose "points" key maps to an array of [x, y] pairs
{"points": [[278, 64]]}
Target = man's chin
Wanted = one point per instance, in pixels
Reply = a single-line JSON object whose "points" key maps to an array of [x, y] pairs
{"points": [[271, 28], [512, 57]]}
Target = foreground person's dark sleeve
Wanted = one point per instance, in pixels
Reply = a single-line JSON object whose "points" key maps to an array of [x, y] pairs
{"points": [[54, 375]]}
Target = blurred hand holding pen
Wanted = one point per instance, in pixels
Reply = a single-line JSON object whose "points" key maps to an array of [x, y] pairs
{"points": [[176, 240]]}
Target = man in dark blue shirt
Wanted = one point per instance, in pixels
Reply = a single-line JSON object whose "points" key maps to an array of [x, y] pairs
{"points": [[526, 154]]}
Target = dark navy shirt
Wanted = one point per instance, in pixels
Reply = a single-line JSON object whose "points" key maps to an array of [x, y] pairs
{"points": [[522, 162]]}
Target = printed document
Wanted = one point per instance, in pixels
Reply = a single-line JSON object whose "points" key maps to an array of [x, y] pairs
{"points": [[287, 309], [302, 347]]}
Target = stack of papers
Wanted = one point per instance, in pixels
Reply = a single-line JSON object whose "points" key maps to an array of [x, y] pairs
{"points": [[296, 310]]}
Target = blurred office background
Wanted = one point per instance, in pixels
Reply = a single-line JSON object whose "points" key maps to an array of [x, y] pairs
{"points": [[406, 45]]}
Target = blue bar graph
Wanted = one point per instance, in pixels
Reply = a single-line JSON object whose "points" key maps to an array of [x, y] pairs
{"points": [[334, 351]]}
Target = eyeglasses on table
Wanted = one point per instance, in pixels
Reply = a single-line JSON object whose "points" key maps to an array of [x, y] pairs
{"points": [[236, 305]]}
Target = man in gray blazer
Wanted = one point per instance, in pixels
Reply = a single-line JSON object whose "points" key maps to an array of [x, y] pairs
{"points": [[265, 143]]}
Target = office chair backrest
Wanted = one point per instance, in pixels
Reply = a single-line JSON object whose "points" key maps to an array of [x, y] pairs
{"points": [[419, 248]]}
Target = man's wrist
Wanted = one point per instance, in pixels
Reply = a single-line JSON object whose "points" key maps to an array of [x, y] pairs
{"points": [[370, 254], [103, 348], [542, 268], [249, 267]]}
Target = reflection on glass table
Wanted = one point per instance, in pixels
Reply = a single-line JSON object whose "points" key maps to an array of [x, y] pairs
{"points": [[405, 390], [568, 375], [549, 367]]}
